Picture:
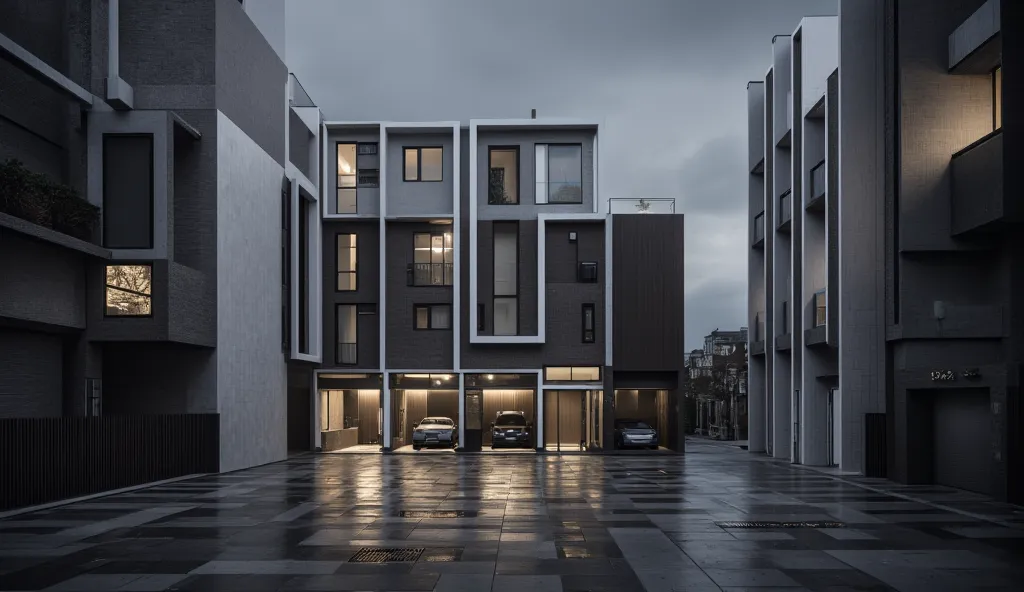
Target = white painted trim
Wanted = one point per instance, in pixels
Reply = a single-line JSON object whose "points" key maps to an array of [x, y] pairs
{"points": [[314, 267], [462, 411], [457, 255], [382, 150], [552, 122], [348, 216], [473, 147], [609, 269], [40, 69]]}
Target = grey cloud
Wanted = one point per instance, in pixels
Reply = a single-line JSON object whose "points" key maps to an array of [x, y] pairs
{"points": [[713, 179]]}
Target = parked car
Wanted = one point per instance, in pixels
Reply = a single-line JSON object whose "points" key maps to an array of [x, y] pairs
{"points": [[510, 430], [633, 433], [435, 432]]}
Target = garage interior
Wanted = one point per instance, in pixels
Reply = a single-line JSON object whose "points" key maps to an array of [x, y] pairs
{"points": [[350, 419], [410, 406], [572, 420], [647, 405], [495, 400], [949, 438]]}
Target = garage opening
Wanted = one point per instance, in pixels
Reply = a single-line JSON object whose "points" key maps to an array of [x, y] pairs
{"points": [[641, 419], [510, 419], [961, 451], [351, 420], [572, 420], [424, 412]]}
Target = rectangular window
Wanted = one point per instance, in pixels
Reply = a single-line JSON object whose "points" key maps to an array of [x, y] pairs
{"points": [[559, 173], [820, 309], [588, 272], [572, 374], [346, 263], [424, 164], [506, 278], [129, 291], [347, 179], [432, 316], [589, 323], [503, 176], [128, 191], [997, 98], [347, 333], [433, 263]]}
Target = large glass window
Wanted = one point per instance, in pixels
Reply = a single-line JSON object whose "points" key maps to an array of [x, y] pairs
{"points": [[346, 263], [503, 176], [572, 374], [433, 263], [347, 176], [129, 291], [347, 333], [424, 164], [997, 98], [559, 173], [506, 278]]}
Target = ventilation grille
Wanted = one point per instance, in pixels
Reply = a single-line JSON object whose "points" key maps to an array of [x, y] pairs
{"points": [[434, 514], [380, 555], [780, 524]]}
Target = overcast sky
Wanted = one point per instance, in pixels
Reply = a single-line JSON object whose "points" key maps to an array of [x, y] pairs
{"points": [[666, 77]]}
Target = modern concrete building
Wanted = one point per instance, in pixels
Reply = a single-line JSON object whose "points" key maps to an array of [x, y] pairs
{"points": [[471, 269], [884, 261], [179, 122]]}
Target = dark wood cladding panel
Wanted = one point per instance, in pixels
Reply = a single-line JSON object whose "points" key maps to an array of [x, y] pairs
{"points": [[647, 292], [832, 211]]}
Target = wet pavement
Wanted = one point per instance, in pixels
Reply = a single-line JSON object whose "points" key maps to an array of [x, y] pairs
{"points": [[520, 523]]}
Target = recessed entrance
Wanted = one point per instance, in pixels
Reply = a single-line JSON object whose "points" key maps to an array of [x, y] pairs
{"points": [[572, 420], [350, 418], [635, 409], [509, 419], [410, 407]]}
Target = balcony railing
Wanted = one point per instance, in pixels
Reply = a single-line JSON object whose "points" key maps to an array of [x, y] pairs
{"points": [[347, 353], [432, 274], [759, 228], [785, 207], [820, 309], [817, 180], [642, 205]]}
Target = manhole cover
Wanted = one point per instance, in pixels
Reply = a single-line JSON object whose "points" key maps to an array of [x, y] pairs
{"points": [[378, 555], [780, 524], [429, 514]]}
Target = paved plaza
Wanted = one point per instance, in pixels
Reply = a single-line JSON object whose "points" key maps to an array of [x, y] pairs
{"points": [[519, 523]]}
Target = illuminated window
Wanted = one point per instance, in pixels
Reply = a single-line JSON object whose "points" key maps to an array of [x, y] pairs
{"points": [[572, 374], [432, 259], [129, 291], [423, 164], [346, 198], [997, 98], [346, 262]]}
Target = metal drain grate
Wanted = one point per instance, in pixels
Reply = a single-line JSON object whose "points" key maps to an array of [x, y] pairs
{"points": [[428, 514], [379, 555], [780, 524]]}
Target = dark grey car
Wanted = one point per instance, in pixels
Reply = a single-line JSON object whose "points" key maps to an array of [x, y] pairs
{"points": [[435, 432], [633, 433], [510, 430]]}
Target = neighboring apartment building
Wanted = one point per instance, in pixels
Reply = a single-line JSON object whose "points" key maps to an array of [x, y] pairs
{"points": [[180, 123], [884, 265], [718, 382], [474, 269]]}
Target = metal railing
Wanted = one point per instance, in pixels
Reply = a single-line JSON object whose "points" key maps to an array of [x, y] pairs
{"points": [[432, 274], [820, 308], [642, 205], [47, 459], [786, 207], [347, 353], [817, 180]]}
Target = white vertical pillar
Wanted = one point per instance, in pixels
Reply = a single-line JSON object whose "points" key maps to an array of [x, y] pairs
{"points": [[462, 409], [539, 415], [385, 395]]}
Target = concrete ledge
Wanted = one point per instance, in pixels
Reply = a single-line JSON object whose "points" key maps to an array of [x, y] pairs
{"points": [[27, 228]]}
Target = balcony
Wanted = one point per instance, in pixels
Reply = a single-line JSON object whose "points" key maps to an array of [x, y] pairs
{"points": [[816, 193], [642, 205], [785, 210], [817, 333], [757, 344], [758, 241], [978, 201]]}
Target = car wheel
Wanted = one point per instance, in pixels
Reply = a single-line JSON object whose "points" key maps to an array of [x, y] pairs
{"points": [[415, 447]]}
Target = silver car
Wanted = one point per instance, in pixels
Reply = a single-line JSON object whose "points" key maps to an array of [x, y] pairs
{"points": [[436, 432]]}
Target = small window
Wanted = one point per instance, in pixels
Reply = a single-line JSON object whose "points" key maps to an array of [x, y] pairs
{"points": [[503, 176], [423, 164], [433, 259], [432, 316], [346, 179], [129, 291], [588, 323], [367, 148], [588, 272], [368, 178], [346, 263]]}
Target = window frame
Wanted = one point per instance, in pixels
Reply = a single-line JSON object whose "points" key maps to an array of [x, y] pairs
{"points": [[592, 309], [600, 374], [419, 164], [107, 287], [490, 156], [450, 277], [337, 335], [547, 174], [513, 297], [430, 316], [337, 262], [588, 265], [354, 175]]}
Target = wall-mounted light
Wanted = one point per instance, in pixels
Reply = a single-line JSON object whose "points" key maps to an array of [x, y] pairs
{"points": [[572, 237]]}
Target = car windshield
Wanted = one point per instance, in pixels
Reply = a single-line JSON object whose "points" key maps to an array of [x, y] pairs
{"points": [[510, 419], [436, 421], [633, 425]]}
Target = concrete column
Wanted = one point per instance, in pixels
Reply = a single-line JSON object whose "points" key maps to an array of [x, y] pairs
{"points": [[756, 441]]}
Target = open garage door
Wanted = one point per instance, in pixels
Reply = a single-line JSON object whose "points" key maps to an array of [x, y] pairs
{"points": [[962, 439]]}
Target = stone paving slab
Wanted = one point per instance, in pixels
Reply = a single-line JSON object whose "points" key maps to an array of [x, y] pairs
{"points": [[524, 523]]}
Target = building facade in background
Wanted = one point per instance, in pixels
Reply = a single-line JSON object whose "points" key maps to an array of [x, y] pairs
{"points": [[717, 384], [884, 267]]}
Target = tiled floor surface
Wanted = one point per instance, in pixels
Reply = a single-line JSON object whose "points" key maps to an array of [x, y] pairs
{"points": [[519, 523]]}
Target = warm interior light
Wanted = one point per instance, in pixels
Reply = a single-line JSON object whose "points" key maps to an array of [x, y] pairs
{"points": [[344, 167], [490, 377]]}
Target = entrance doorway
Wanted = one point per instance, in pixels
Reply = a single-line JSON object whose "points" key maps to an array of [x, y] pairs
{"points": [[572, 420]]}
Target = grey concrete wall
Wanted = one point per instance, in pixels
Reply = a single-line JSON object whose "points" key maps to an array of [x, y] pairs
{"points": [[367, 198], [756, 293], [251, 79], [411, 198], [194, 184], [299, 140], [526, 140], [407, 347], [782, 85], [565, 296], [367, 290], [861, 223], [755, 120], [41, 283], [251, 380], [30, 374]]}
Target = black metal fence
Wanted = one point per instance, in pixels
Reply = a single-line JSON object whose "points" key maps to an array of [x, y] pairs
{"points": [[49, 459]]}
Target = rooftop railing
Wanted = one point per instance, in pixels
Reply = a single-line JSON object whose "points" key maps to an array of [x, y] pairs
{"points": [[642, 205]]}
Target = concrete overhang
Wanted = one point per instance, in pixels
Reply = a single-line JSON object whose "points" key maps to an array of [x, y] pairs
{"points": [[40, 70], [976, 46]]}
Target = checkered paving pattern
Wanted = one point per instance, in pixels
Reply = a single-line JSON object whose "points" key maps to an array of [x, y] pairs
{"points": [[519, 523]]}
